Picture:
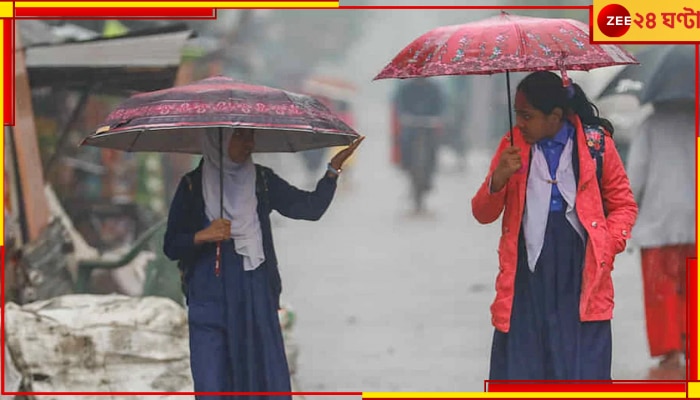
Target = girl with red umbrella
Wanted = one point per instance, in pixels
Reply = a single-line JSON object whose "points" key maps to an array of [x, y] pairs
{"points": [[561, 231]]}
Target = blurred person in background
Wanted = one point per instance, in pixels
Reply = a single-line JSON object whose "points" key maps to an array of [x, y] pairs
{"points": [[419, 97], [564, 221], [661, 169], [418, 111], [236, 342]]}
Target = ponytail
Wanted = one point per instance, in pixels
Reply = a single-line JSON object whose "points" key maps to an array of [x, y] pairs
{"points": [[587, 111]]}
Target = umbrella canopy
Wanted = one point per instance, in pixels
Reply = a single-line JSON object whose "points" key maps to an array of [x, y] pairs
{"points": [[667, 73], [504, 43], [172, 120], [501, 44]]}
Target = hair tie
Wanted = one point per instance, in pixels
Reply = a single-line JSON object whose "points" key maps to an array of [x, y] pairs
{"points": [[566, 81], [570, 91]]}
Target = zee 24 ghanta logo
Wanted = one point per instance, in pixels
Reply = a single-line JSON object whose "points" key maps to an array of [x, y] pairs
{"points": [[614, 20]]}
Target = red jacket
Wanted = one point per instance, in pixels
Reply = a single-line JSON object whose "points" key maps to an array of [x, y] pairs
{"points": [[607, 236]]}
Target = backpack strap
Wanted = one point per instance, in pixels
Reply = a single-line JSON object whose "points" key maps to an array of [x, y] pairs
{"points": [[261, 186], [184, 265]]}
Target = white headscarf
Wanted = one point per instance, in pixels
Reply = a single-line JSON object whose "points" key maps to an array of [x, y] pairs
{"points": [[240, 201]]}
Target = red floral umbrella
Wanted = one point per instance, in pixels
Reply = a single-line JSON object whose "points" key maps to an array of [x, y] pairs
{"points": [[504, 43]]}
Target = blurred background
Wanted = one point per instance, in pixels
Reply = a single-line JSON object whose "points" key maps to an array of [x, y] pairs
{"points": [[383, 299]]}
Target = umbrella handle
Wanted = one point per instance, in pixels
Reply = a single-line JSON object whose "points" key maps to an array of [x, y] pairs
{"points": [[217, 267]]}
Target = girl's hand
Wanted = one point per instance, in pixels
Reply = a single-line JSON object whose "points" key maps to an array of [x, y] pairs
{"points": [[219, 230], [342, 156], [509, 163]]}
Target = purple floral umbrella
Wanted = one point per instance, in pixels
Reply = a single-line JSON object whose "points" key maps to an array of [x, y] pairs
{"points": [[173, 120]]}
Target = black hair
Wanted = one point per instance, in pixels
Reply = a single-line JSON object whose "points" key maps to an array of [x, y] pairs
{"points": [[544, 90]]}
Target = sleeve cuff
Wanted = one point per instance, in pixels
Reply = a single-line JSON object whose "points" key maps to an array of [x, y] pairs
{"points": [[491, 190], [190, 239], [330, 179]]}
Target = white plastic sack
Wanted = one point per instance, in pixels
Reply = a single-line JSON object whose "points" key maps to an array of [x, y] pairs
{"points": [[100, 343]]}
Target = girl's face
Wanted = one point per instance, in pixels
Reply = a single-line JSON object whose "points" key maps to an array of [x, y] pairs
{"points": [[533, 123], [241, 145]]}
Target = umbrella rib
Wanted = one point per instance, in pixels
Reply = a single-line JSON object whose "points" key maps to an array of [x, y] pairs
{"points": [[133, 142], [521, 45], [443, 45], [311, 128]]}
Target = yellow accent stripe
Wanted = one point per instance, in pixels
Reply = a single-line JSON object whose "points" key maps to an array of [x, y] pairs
{"points": [[6, 9]]}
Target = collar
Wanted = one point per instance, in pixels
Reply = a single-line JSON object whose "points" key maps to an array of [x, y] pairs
{"points": [[563, 135]]}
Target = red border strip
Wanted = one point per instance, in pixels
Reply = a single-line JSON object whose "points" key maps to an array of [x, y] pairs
{"points": [[692, 286], [114, 12], [655, 387], [8, 27], [692, 318]]}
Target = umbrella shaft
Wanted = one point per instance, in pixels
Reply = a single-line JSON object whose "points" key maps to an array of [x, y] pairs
{"points": [[221, 171], [510, 107], [217, 267]]}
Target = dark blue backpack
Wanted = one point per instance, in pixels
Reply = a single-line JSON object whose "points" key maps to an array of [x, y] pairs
{"points": [[595, 141]]}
